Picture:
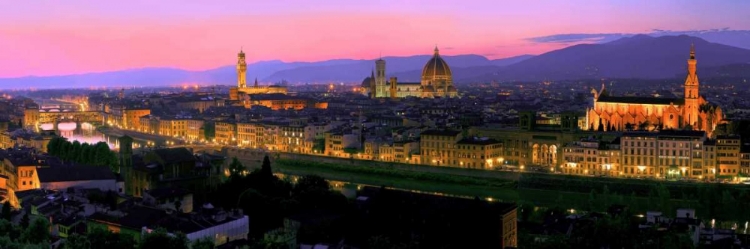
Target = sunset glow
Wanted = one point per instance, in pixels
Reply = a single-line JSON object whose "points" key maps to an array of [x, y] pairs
{"points": [[74, 37]]}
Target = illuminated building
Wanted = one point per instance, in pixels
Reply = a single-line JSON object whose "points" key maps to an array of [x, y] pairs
{"points": [[478, 153], [195, 130], [173, 127], [279, 101], [437, 146], [728, 155], [622, 113], [226, 132], [436, 81], [580, 158], [200, 103], [132, 118], [241, 91]]}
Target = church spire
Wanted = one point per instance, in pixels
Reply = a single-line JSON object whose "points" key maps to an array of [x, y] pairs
{"points": [[256, 81], [692, 51], [437, 52]]}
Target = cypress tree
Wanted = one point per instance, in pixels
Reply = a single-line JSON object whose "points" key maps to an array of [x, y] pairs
{"points": [[265, 169], [6, 211]]}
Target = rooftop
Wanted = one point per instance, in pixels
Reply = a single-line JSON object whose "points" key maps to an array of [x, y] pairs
{"points": [[74, 173], [478, 141], [441, 133], [640, 100]]}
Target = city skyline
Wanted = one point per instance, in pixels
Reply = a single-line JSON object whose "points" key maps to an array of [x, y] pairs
{"points": [[97, 37]]}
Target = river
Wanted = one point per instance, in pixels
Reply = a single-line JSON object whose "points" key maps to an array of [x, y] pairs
{"points": [[87, 133]]}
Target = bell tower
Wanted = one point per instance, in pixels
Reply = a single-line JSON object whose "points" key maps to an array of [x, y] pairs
{"points": [[382, 90], [692, 86], [241, 70]]}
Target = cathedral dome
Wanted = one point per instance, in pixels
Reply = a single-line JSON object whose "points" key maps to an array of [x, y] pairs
{"points": [[436, 67], [366, 82]]}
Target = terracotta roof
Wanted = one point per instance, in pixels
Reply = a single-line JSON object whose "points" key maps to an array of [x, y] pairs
{"points": [[436, 67], [640, 100]]}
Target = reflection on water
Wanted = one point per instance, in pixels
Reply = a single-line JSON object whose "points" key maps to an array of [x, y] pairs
{"points": [[87, 133]]}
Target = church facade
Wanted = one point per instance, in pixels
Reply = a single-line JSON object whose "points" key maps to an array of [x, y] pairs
{"points": [[618, 113], [436, 81]]}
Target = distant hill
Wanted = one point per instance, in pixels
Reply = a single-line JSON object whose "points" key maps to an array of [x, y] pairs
{"points": [[740, 70], [639, 56], [405, 68], [339, 70]]}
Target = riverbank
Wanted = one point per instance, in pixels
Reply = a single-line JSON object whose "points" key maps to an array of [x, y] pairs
{"points": [[402, 179], [155, 140], [509, 191]]}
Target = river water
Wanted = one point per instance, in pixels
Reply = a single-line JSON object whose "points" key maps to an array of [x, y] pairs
{"points": [[87, 133]]}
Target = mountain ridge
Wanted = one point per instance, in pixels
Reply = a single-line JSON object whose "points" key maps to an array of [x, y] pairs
{"points": [[267, 71], [639, 56], [642, 56]]}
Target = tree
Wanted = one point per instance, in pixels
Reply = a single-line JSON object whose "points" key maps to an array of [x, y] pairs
{"points": [[101, 154], [6, 211], [235, 168], [76, 152], [87, 153], [178, 205], [265, 168], [111, 200], [311, 182], [64, 148], [7, 229], [102, 238], [37, 232], [76, 241], [204, 243], [25, 220], [591, 204], [314, 192], [159, 238], [209, 130], [380, 242], [605, 198], [53, 147]]}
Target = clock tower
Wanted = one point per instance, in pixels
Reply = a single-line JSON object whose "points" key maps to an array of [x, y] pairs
{"points": [[241, 70]]}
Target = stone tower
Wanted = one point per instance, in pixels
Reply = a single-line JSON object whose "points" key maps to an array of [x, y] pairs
{"points": [[394, 91], [126, 161], [126, 152], [241, 70], [691, 108], [382, 89]]}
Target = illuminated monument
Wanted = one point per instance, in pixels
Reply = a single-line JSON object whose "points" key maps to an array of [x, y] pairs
{"points": [[437, 81], [241, 92], [621, 113]]}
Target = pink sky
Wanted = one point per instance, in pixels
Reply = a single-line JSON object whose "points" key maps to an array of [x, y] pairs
{"points": [[68, 37]]}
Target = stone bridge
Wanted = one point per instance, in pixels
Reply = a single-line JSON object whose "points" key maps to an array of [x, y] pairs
{"points": [[34, 118]]}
